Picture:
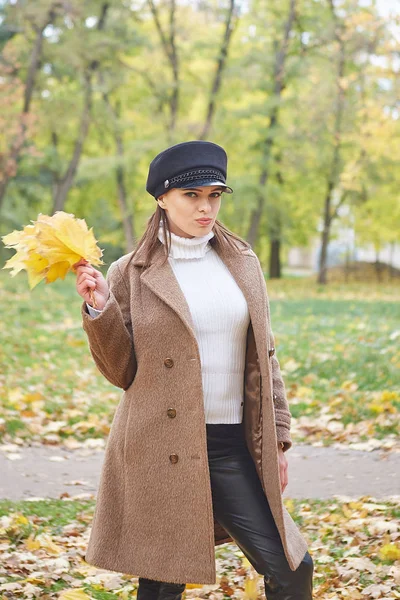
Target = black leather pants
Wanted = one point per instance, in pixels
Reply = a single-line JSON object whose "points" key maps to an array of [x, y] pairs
{"points": [[240, 506]]}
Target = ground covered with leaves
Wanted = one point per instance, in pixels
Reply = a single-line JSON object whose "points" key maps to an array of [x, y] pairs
{"points": [[338, 346], [339, 352], [355, 545]]}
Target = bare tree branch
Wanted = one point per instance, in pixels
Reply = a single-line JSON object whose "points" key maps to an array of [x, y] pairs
{"points": [[168, 43], [230, 23]]}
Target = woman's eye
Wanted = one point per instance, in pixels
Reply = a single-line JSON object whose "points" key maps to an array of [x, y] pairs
{"points": [[194, 195]]}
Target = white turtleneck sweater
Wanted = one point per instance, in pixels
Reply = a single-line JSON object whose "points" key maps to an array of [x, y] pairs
{"points": [[221, 319]]}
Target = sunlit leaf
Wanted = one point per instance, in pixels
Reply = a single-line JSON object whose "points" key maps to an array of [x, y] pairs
{"points": [[50, 247], [77, 594], [390, 552]]}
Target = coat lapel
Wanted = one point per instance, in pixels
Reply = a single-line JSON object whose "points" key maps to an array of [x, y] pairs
{"points": [[161, 280], [247, 274]]}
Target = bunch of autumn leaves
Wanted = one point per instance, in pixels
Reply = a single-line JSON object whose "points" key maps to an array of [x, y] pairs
{"points": [[50, 247]]}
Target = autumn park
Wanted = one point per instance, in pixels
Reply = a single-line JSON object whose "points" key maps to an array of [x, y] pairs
{"points": [[304, 96]]}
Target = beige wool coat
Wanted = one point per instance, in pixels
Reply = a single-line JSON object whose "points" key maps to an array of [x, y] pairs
{"points": [[153, 515]]}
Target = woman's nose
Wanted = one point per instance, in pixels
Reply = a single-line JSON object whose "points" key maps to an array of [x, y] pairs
{"points": [[205, 204]]}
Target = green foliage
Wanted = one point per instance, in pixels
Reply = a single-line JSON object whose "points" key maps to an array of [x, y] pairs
{"points": [[131, 85]]}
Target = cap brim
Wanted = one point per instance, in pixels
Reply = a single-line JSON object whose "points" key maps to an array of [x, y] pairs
{"points": [[206, 182]]}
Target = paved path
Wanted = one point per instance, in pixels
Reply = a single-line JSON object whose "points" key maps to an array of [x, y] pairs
{"points": [[314, 472]]}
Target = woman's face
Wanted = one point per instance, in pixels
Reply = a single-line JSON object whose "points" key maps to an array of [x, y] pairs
{"points": [[184, 206]]}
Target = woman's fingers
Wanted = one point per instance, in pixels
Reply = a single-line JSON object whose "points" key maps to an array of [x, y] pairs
{"points": [[283, 471], [90, 281], [286, 476], [89, 272], [85, 277], [83, 284], [85, 280], [85, 269], [80, 262]]}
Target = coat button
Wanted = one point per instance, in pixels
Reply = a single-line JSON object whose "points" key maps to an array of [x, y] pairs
{"points": [[168, 362], [171, 412], [271, 351], [173, 458]]}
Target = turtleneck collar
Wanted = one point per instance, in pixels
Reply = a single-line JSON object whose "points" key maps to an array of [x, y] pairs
{"points": [[182, 247]]}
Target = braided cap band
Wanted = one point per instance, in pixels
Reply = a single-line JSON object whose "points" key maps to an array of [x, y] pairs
{"points": [[190, 176]]}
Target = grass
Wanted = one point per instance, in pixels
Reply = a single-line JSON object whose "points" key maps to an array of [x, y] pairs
{"points": [[338, 346]]}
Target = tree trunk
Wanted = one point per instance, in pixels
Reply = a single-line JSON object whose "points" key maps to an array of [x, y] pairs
{"points": [[279, 85], [34, 63], [275, 260], [127, 217], [168, 43], [347, 264], [325, 239], [126, 214], [334, 167], [221, 61], [63, 185], [391, 267], [378, 266]]}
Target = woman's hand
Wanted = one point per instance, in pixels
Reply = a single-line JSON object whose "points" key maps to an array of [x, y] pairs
{"points": [[283, 468], [89, 279]]}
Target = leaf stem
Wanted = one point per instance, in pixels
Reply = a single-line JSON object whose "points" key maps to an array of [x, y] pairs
{"points": [[92, 298]]}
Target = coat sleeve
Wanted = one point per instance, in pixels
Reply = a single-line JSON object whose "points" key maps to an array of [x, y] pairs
{"points": [[283, 415], [93, 312], [110, 333]]}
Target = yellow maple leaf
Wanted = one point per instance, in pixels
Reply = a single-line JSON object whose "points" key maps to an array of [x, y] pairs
{"points": [[20, 519], [26, 237], [250, 585], [67, 239], [47, 543], [58, 270], [390, 552], [32, 544], [245, 562], [74, 594], [50, 247]]}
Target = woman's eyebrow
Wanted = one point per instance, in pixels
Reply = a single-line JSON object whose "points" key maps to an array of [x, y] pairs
{"points": [[218, 187]]}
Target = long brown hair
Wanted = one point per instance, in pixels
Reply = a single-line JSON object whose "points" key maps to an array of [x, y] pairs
{"points": [[149, 240]]}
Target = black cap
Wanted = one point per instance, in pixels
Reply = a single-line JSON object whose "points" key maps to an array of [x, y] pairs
{"points": [[187, 165]]}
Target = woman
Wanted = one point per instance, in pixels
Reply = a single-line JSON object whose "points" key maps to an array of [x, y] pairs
{"points": [[196, 451]]}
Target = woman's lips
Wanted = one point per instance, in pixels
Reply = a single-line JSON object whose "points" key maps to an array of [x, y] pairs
{"points": [[204, 221]]}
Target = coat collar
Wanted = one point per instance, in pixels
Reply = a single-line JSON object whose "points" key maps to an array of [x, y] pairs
{"points": [[245, 269]]}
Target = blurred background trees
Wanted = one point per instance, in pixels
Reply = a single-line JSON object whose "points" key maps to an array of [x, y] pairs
{"points": [[302, 94]]}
